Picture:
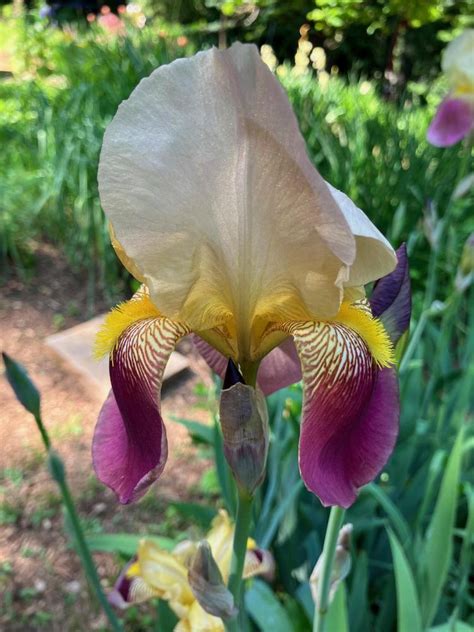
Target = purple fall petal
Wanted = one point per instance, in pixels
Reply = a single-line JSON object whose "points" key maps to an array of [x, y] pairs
{"points": [[280, 368], [217, 362], [129, 448], [350, 413], [452, 122], [120, 596], [391, 298]]}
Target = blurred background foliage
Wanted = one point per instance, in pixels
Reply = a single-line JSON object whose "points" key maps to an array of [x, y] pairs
{"points": [[363, 80], [364, 119]]}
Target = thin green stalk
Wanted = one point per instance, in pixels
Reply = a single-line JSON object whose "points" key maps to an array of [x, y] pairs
{"points": [[29, 396], [329, 551], [43, 432], [239, 549], [57, 471]]}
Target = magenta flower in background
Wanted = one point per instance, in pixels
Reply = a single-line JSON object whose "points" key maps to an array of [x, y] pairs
{"points": [[454, 119], [216, 208]]}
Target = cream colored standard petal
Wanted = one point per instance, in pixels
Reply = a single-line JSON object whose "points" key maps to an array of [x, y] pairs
{"points": [[458, 62], [375, 257], [206, 179]]}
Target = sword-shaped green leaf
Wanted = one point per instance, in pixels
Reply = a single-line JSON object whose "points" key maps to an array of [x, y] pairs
{"points": [[408, 607]]}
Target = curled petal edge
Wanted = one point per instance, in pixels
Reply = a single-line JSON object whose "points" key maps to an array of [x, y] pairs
{"points": [[391, 298], [129, 447]]}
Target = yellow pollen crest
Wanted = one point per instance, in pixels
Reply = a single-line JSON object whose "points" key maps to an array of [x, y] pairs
{"points": [[119, 319], [371, 330]]}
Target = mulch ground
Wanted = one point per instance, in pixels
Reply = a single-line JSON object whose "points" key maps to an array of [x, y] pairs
{"points": [[41, 583]]}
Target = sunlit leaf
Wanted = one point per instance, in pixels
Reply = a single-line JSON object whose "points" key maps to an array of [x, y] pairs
{"points": [[337, 617], [124, 543]]}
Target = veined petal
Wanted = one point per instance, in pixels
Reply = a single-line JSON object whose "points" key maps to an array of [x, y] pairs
{"points": [[280, 368], [259, 562], [350, 411], [205, 177], [375, 257], [130, 590], [453, 121], [129, 447], [165, 574], [391, 298]]}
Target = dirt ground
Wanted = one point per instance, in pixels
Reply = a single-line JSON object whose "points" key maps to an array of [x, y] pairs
{"points": [[41, 583]]}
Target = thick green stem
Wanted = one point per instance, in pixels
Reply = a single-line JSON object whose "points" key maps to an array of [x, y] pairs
{"points": [[329, 551], [239, 549]]}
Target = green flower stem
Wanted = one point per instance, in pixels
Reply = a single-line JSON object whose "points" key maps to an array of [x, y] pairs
{"points": [[329, 551], [239, 549], [43, 432], [29, 397], [57, 471]]}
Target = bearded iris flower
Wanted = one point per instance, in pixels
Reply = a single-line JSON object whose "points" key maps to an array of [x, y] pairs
{"points": [[454, 119], [216, 208], [158, 573]]}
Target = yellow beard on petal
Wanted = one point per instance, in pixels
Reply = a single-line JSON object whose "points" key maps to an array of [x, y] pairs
{"points": [[358, 317], [118, 319]]}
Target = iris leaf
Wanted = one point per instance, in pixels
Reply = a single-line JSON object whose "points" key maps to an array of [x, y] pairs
{"points": [[337, 617], [409, 615], [265, 609], [398, 521], [438, 544], [124, 543]]}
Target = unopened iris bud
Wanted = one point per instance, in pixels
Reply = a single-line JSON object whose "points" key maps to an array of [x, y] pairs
{"points": [[207, 584], [244, 422], [341, 567]]}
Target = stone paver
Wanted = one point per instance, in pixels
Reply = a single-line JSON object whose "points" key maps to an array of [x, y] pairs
{"points": [[75, 347]]}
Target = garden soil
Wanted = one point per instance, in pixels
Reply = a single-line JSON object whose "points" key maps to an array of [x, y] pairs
{"points": [[41, 583]]}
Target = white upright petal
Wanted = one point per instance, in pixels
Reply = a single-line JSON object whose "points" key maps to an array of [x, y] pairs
{"points": [[205, 177], [375, 257], [458, 62]]}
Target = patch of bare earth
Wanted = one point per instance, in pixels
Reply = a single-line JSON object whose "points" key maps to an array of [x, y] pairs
{"points": [[41, 582]]}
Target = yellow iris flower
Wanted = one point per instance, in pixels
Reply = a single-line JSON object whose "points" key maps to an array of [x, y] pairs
{"points": [[164, 574]]}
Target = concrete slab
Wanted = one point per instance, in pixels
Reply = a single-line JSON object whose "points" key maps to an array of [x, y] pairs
{"points": [[75, 346]]}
